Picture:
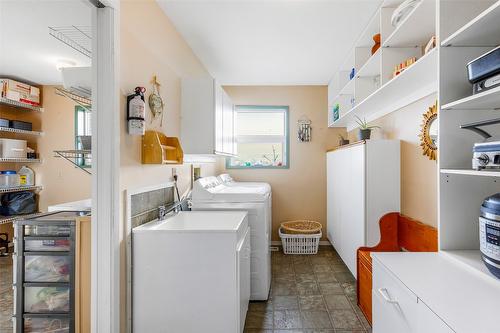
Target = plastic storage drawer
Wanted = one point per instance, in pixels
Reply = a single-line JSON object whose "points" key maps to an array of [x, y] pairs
{"points": [[46, 299], [47, 268], [47, 324]]}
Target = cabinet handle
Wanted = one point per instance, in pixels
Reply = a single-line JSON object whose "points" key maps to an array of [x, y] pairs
{"points": [[383, 292]]}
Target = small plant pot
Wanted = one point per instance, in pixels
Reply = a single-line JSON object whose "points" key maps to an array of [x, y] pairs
{"points": [[364, 134], [343, 142]]}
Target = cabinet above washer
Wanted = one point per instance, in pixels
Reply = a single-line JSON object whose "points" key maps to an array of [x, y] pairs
{"points": [[207, 119]]}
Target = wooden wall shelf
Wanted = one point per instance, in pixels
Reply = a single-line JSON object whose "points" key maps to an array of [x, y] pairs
{"points": [[157, 148]]}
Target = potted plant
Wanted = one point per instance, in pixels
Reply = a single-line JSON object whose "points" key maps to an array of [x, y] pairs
{"points": [[343, 141], [365, 130]]}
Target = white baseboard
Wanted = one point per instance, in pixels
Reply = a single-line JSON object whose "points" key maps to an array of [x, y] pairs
{"points": [[278, 243]]}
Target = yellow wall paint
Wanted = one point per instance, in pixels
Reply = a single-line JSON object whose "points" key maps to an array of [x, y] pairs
{"points": [[150, 45], [62, 181], [418, 173], [298, 192]]}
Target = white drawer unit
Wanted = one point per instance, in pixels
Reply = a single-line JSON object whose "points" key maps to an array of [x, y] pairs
{"points": [[396, 307]]}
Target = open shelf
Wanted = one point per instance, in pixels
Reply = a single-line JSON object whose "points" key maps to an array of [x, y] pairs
{"points": [[416, 82], [26, 106], [489, 99], [472, 260], [483, 30], [372, 66], [10, 219], [470, 172], [20, 160], [348, 89], [20, 188], [18, 131], [416, 29]]}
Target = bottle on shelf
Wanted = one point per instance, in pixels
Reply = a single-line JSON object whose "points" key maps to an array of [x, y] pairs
{"points": [[26, 176]]}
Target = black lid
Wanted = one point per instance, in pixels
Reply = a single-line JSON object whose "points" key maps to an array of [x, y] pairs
{"points": [[491, 204]]}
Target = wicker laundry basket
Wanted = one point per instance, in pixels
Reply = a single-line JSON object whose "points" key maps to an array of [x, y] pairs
{"points": [[300, 237]]}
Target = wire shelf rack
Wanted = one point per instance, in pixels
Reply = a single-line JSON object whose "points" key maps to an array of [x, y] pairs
{"points": [[20, 160], [19, 131], [10, 219], [78, 99], [20, 188], [21, 105], [78, 38], [74, 156]]}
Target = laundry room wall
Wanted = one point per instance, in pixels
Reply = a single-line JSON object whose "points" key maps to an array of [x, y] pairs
{"points": [[418, 173], [300, 191], [147, 48]]}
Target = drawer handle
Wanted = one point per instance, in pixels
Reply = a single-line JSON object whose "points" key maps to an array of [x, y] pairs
{"points": [[383, 292]]}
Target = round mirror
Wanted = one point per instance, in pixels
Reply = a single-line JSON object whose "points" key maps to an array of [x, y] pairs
{"points": [[429, 133]]}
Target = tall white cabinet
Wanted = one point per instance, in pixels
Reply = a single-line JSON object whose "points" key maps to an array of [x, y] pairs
{"points": [[363, 184], [207, 119]]}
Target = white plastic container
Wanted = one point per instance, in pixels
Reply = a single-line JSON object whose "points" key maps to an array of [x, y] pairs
{"points": [[300, 243], [9, 179], [26, 176], [10, 148]]}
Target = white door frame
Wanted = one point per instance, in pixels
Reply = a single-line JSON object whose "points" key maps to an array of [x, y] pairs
{"points": [[105, 298]]}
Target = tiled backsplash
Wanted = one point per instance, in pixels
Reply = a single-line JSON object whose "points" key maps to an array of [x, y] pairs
{"points": [[144, 206]]}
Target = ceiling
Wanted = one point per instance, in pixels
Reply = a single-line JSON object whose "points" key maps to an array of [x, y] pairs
{"points": [[273, 42], [28, 51]]}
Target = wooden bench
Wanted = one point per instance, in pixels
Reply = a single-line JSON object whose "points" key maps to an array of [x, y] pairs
{"points": [[397, 233]]}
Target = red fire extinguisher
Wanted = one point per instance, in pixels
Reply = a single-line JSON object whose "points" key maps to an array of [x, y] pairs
{"points": [[136, 112]]}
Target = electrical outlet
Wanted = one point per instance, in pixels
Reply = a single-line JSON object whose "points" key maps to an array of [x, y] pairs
{"points": [[174, 172]]}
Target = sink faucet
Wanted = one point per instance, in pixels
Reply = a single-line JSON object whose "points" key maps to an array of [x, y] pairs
{"points": [[162, 213]]}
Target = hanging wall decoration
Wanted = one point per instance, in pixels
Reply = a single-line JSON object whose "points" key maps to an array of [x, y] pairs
{"points": [[429, 133], [156, 102], [304, 129]]}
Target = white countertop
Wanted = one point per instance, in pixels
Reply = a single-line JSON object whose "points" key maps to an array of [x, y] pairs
{"points": [[466, 299], [81, 205], [206, 221]]}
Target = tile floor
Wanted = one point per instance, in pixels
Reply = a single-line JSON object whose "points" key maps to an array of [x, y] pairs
{"points": [[6, 294], [309, 294]]}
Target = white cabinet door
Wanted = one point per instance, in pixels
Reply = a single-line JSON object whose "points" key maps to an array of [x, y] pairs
{"points": [[353, 209], [428, 321], [330, 196], [244, 277], [219, 118], [227, 124]]}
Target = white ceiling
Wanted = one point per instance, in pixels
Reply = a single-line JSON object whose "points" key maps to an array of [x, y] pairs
{"points": [[270, 42], [28, 52]]}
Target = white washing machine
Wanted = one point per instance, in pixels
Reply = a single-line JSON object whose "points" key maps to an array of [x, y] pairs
{"points": [[210, 193]]}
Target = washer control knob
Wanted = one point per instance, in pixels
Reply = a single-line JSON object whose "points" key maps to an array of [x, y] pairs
{"points": [[483, 159]]}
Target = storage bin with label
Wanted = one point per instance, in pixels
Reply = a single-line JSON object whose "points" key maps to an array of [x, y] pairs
{"points": [[10, 148]]}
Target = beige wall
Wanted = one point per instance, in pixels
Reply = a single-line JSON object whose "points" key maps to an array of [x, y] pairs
{"points": [[298, 192], [150, 45], [62, 181], [418, 173]]}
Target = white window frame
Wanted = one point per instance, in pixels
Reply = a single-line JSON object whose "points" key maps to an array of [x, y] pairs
{"points": [[270, 139]]}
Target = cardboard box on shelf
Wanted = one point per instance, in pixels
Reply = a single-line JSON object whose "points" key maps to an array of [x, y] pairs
{"points": [[20, 92]]}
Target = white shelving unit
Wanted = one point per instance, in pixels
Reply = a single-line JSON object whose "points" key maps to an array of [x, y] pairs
{"points": [[20, 160], [376, 93], [18, 131], [473, 31], [26, 106], [10, 219], [20, 188]]}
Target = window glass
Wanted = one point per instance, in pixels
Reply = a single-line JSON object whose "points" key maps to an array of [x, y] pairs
{"points": [[261, 137]]}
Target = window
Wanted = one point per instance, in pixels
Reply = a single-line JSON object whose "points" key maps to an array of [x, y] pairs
{"points": [[82, 132], [261, 137]]}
